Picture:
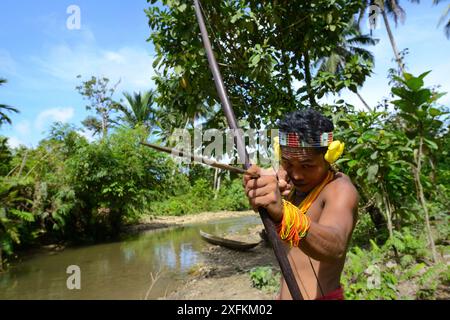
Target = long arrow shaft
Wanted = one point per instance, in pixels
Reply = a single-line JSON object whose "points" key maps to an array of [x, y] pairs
{"points": [[199, 159], [277, 245]]}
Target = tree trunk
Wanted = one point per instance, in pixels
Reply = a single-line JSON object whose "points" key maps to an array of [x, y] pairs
{"points": [[388, 208], [218, 182], [104, 124], [308, 79], [363, 101], [388, 212], [288, 78], [433, 172], [24, 161], [215, 183], [416, 171], [392, 40]]}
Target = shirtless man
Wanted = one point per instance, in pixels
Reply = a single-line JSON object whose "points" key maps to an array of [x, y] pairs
{"points": [[327, 220]]}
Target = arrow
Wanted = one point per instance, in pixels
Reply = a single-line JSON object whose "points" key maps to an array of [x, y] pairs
{"points": [[199, 159]]}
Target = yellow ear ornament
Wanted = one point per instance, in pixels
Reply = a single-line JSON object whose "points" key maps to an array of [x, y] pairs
{"points": [[276, 148], [335, 150]]}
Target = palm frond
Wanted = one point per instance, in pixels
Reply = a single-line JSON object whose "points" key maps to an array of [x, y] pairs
{"points": [[442, 19], [366, 54], [394, 9], [363, 40]]}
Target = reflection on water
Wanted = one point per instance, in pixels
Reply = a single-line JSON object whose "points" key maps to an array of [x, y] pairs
{"points": [[118, 270]]}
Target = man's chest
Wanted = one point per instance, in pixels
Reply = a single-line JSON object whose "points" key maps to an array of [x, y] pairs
{"points": [[316, 208]]}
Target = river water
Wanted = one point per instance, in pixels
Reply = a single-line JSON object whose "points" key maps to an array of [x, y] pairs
{"points": [[117, 270]]}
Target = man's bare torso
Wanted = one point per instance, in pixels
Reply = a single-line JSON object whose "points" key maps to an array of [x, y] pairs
{"points": [[327, 272]]}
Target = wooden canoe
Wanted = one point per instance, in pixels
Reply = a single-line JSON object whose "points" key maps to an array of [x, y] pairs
{"points": [[227, 243]]}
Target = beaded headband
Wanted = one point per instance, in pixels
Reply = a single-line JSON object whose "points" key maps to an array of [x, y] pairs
{"points": [[292, 139]]}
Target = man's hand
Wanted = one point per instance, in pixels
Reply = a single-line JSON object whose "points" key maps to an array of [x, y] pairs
{"points": [[284, 183], [264, 192]]}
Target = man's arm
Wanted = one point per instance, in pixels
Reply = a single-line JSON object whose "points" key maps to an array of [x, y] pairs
{"points": [[327, 239]]}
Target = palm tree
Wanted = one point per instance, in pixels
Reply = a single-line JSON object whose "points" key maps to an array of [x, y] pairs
{"points": [[139, 109], [385, 7], [349, 45], [3, 117], [444, 15]]}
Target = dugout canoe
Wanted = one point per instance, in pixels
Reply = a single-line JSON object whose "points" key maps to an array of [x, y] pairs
{"points": [[227, 243]]}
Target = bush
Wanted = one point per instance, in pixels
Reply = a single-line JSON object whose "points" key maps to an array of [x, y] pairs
{"points": [[200, 198], [265, 279], [16, 222]]}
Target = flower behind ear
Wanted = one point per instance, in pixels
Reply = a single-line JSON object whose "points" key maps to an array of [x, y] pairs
{"points": [[276, 148], [335, 150]]}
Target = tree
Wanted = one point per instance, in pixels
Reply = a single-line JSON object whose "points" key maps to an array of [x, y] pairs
{"points": [[99, 94], [373, 160], [385, 7], [349, 46], [266, 53], [3, 116], [445, 14], [13, 213], [139, 109], [5, 157], [420, 112]]}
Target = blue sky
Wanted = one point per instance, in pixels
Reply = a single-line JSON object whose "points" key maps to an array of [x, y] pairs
{"points": [[41, 57]]}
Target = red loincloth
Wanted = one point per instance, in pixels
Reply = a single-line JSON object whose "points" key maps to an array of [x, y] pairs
{"points": [[337, 294]]}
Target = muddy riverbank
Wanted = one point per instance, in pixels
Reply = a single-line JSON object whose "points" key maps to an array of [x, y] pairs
{"points": [[224, 274]]}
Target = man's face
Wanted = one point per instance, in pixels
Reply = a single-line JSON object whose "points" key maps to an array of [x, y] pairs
{"points": [[305, 167]]}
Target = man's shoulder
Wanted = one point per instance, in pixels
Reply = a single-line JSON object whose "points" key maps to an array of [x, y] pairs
{"points": [[342, 185]]}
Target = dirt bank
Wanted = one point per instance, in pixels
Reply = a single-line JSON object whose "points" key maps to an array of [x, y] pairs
{"points": [[158, 222], [224, 273]]}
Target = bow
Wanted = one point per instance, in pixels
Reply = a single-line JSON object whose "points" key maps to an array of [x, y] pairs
{"points": [[269, 226]]}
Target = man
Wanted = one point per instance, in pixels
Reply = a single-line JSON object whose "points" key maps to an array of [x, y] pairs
{"points": [[317, 215]]}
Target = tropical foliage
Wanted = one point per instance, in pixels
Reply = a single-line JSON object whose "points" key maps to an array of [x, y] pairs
{"points": [[275, 58]]}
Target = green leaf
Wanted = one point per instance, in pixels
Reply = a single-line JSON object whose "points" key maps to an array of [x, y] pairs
{"points": [[431, 144], [352, 163], [414, 84], [329, 18], [423, 75], [422, 96], [435, 112], [178, 70], [236, 17], [407, 76], [372, 172], [254, 60], [400, 92], [182, 7], [157, 60], [23, 215], [360, 172]]}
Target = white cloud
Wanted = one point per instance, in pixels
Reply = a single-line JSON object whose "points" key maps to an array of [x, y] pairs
{"points": [[53, 115], [132, 65], [23, 127], [15, 142], [88, 134]]}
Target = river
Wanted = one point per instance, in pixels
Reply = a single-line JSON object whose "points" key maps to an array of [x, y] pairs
{"points": [[117, 270]]}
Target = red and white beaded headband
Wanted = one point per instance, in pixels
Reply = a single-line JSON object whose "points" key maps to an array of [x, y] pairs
{"points": [[292, 140]]}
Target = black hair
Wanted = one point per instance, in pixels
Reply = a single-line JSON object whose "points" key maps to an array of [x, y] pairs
{"points": [[308, 124]]}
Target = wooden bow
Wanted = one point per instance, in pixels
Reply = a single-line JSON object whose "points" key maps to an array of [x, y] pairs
{"points": [[272, 234]]}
